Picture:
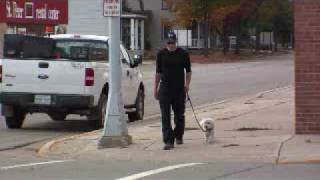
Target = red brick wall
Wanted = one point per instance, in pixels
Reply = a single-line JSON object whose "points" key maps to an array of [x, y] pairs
{"points": [[307, 50]]}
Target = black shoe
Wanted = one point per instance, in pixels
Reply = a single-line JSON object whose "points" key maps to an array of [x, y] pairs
{"points": [[179, 141], [168, 147]]}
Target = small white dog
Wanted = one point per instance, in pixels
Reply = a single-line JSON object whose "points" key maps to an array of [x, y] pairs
{"points": [[207, 124]]}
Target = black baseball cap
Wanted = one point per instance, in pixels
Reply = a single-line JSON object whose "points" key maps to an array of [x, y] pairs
{"points": [[172, 37]]}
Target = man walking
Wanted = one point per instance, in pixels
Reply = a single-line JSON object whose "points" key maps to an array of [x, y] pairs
{"points": [[172, 80]]}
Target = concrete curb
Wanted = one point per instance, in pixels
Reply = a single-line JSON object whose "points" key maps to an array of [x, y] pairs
{"points": [[46, 148]]}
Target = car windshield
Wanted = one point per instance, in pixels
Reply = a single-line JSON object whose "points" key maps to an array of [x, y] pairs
{"points": [[82, 49]]}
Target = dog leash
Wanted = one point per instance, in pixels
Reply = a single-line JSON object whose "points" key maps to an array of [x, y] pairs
{"points": [[194, 113]]}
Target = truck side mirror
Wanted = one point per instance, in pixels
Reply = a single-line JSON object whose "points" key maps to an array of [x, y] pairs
{"points": [[137, 59]]}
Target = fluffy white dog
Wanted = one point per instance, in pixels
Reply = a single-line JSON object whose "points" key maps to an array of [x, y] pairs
{"points": [[207, 124]]}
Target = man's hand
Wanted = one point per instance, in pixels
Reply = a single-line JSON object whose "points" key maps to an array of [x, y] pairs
{"points": [[156, 94], [188, 80], [186, 88]]}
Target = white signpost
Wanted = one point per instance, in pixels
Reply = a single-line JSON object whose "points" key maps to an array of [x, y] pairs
{"points": [[115, 132]]}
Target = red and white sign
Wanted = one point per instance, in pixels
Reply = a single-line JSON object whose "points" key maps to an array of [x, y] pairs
{"points": [[111, 8], [34, 11]]}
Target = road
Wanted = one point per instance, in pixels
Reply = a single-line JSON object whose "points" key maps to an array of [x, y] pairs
{"points": [[210, 83], [128, 170]]}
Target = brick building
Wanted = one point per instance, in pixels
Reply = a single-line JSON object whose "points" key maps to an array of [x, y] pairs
{"points": [[307, 46]]}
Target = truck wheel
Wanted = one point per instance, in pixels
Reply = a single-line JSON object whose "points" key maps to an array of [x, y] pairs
{"points": [[98, 116], [139, 112], [16, 121], [58, 116]]}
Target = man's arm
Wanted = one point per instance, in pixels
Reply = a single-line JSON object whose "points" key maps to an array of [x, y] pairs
{"points": [[156, 85], [157, 76], [188, 80], [188, 72]]}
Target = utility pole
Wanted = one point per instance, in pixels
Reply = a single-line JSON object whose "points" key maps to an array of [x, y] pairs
{"points": [[115, 132]]}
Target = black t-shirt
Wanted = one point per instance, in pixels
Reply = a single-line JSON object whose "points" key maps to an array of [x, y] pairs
{"points": [[172, 67]]}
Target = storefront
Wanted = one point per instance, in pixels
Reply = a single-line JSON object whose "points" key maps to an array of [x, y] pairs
{"points": [[32, 17]]}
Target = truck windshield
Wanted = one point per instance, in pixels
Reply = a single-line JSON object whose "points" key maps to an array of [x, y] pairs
{"points": [[82, 49]]}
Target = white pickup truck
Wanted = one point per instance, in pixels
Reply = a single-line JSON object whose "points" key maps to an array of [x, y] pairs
{"points": [[73, 80]]}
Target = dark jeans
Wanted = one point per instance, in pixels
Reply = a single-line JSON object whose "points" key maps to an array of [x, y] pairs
{"points": [[176, 101]]}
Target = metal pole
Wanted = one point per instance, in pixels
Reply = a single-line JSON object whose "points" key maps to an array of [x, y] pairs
{"points": [[115, 132]]}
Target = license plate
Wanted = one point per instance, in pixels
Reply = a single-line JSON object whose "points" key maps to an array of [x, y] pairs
{"points": [[42, 99]]}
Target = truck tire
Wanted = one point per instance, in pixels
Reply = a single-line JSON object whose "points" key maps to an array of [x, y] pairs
{"points": [[98, 116], [16, 121], [58, 116], [139, 105]]}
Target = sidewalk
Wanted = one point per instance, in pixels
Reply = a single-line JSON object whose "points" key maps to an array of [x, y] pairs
{"points": [[257, 128]]}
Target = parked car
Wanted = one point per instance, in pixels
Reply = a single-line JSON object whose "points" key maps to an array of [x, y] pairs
{"points": [[62, 75]]}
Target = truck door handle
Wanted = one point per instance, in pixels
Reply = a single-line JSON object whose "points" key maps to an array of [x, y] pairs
{"points": [[43, 65], [43, 76]]}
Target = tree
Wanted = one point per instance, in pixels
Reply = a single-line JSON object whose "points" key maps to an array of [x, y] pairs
{"points": [[231, 18], [282, 21], [277, 16], [209, 12], [182, 11], [236, 17]]}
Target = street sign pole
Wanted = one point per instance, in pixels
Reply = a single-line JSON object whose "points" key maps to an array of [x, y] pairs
{"points": [[115, 132]]}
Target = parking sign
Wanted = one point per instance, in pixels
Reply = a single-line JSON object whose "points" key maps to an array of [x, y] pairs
{"points": [[111, 8]]}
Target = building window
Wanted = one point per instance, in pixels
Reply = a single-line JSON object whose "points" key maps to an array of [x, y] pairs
{"points": [[164, 31], [164, 5], [29, 10]]}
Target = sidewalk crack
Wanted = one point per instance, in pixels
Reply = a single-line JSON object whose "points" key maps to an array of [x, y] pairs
{"points": [[147, 146], [280, 148]]}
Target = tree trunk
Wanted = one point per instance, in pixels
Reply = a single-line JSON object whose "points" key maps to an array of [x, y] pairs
{"points": [[205, 49], [226, 41], [258, 33], [238, 40], [206, 28], [275, 39], [237, 49], [225, 44]]}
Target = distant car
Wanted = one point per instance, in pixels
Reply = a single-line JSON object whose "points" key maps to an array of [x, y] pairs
{"points": [[64, 74]]}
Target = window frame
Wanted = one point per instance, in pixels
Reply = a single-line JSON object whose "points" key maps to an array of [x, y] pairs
{"points": [[87, 40]]}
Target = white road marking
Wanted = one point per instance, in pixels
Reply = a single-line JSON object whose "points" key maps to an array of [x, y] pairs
{"points": [[33, 164], [157, 171]]}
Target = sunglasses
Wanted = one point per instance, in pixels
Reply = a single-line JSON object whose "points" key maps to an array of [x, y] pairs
{"points": [[171, 42]]}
